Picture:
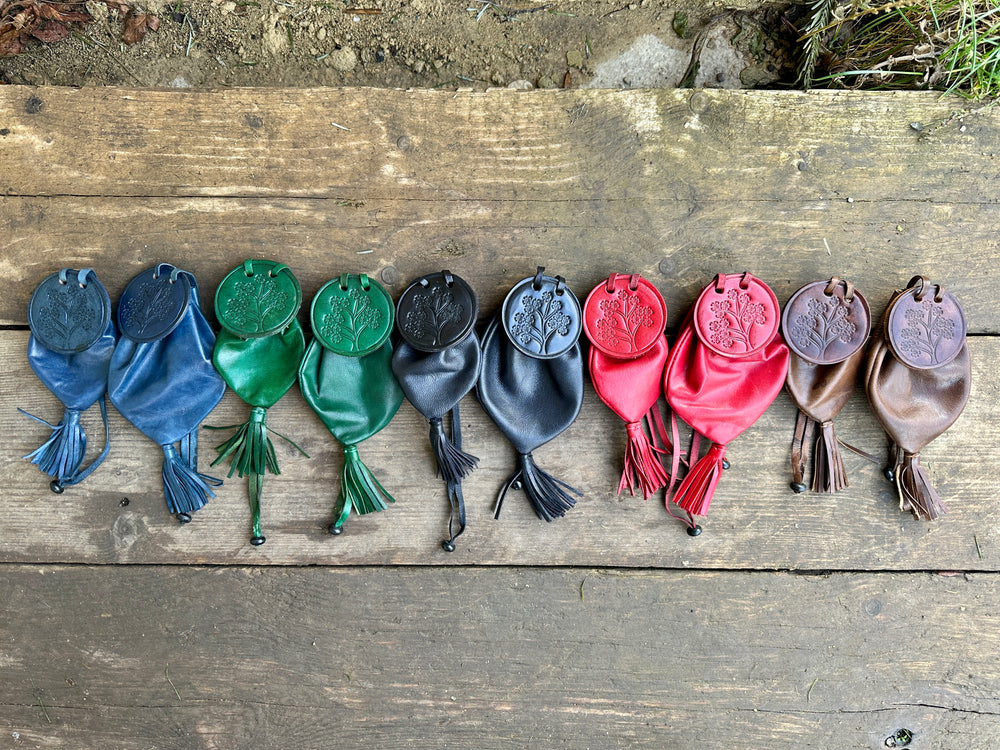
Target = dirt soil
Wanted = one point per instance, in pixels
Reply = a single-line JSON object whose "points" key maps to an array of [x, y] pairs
{"points": [[447, 44]]}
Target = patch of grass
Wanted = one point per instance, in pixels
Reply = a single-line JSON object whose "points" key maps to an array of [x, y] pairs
{"points": [[947, 45]]}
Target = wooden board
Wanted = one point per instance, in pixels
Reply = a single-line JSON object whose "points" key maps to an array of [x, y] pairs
{"points": [[608, 628], [676, 185], [754, 522], [176, 658]]}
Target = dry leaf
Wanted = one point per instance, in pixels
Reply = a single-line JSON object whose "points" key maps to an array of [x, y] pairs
{"points": [[136, 26], [49, 31]]}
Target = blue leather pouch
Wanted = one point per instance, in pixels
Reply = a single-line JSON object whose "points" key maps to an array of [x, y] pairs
{"points": [[72, 338], [162, 379]]}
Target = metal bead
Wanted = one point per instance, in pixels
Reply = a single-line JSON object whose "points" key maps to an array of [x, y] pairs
{"points": [[256, 541], [56, 487], [797, 487], [448, 545], [335, 529], [694, 530], [184, 518]]}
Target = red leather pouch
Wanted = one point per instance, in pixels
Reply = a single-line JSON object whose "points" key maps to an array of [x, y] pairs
{"points": [[726, 368], [624, 318]]}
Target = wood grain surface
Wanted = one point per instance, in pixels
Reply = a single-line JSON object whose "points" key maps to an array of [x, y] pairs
{"points": [[755, 520], [179, 658], [793, 621], [676, 185]]}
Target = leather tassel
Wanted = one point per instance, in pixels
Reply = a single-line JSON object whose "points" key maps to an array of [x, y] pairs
{"points": [[61, 455], [453, 464], [550, 497], [642, 466], [915, 491], [252, 454], [359, 491], [829, 474], [250, 448], [695, 492], [185, 489]]}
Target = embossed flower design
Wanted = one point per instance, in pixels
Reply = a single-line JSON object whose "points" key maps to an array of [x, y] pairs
{"points": [[540, 320], [350, 315], [735, 318], [927, 326], [621, 318], [825, 321]]}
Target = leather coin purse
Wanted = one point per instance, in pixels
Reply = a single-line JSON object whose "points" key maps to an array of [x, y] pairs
{"points": [[346, 377], [826, 325], [73, 336], [531, 383], [918, 377], [162, 379], [624, 318], [437, 363], [727, 366], [258, 353]]}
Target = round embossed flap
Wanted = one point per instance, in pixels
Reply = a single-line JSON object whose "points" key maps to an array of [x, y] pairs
{"points": [[69, 311], [542, 316], [925, 327], [153, 303], [624, 316], [737, 315], [822, 325], [436, 311], [257, 298], [352, 315]]}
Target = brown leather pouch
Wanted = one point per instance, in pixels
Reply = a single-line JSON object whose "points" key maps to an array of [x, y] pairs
{"points": [[826, 324], [918, 377]]}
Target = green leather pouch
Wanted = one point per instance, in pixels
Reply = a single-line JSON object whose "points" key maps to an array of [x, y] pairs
{"points": [[258, 353], [346, 377]]}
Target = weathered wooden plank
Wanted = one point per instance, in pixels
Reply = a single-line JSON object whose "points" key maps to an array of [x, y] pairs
{"points": [[679, 245], [179, 658], [679, 144], [755, 521]]}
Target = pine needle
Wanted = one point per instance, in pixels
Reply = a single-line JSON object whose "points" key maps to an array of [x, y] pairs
{"points": [[821, 14]]}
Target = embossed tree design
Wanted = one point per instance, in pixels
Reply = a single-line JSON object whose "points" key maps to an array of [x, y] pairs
{"points": [[541, 319], [147, 307], [621, 318], [735, 318], [65, 314], [823, 323], [432, 313], [926, 328], [351, 316], [256, 298]]}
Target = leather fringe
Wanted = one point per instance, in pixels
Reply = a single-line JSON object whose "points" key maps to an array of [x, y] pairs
{"points": [[642, 466], [251, 449], [696, 490], [184, 488], [453, 464], [61, 455], [829, 474], [252, 454], [550, 497], [915, 491], [359, 491]]}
